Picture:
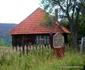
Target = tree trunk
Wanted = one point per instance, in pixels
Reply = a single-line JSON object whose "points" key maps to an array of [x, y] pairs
{"points": [[74, 41], [74, 36], [73, 29]]}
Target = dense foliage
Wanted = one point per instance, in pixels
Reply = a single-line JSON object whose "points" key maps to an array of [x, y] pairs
{"points": [[71, 10]]}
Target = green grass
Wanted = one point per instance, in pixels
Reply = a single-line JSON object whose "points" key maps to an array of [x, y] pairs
{"points": [[42, 61]]}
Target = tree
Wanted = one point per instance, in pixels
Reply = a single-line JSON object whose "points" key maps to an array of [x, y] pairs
{"points": [[81, 31], [83, 8], [71, 10]]}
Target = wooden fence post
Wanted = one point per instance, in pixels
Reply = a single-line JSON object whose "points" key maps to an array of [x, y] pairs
{"points": [[27, 49], [35, 48], [14, 49], [82, 46]]}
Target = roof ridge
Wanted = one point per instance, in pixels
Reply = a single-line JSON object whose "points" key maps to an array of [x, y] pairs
{"points": [[32, 13]]}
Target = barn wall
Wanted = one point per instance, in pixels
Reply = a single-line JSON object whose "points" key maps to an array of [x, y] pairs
{"points": [[21, 40], [16, 40]]}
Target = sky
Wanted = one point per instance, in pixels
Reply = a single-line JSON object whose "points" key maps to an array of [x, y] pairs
{"points": [[15, 11]]}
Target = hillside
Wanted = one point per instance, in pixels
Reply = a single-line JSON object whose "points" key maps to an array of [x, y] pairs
{"points": [[4, 29]]}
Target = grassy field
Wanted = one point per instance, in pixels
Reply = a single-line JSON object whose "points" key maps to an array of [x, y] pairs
{"points": [[42, 61]]}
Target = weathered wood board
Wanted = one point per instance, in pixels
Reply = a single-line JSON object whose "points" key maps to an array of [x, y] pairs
{"points": [[58, 40], [82, 45]]}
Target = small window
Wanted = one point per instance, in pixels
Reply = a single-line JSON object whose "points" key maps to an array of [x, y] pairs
{"points": [[38, 39], [46, 39]]}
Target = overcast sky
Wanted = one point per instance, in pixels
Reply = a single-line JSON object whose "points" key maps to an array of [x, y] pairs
{"points": [[14, 11]]}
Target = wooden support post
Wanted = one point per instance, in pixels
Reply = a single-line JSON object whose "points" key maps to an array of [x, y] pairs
{"points": [[51, 40], [23, 44], [27, 49]]}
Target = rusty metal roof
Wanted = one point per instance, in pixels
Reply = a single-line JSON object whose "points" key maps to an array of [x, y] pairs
{"points": [[31, 25]]}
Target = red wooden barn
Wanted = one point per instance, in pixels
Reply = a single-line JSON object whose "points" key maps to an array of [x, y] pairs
{"points": [[29, 30]]}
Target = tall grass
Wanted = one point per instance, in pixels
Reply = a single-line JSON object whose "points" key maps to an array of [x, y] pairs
{"points": [[42, 61]]}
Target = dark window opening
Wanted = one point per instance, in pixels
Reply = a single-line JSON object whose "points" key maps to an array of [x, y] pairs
{"points": [[46, 39]]}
